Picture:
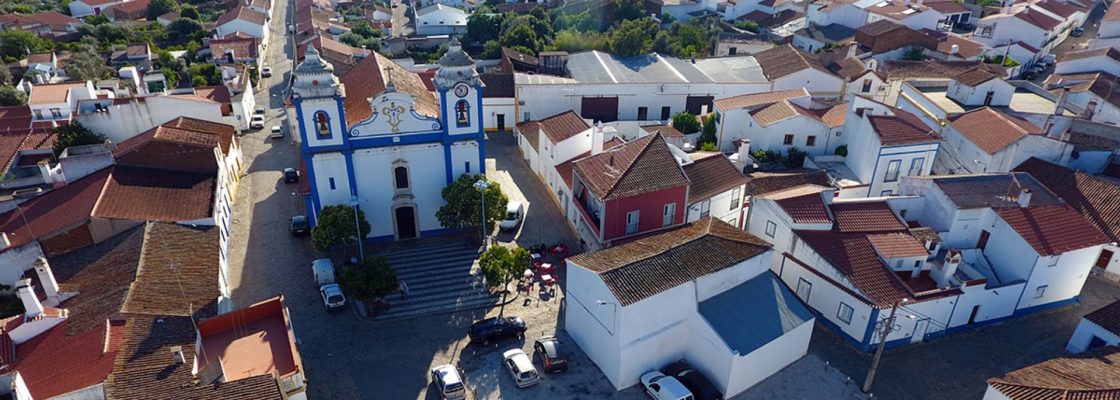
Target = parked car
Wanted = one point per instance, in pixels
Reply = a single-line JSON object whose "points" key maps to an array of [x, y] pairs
{"points": [[496, 327], [1078, 32], [449, 382], [333, 297], [291, 175], [521, 368], [693, 380], [266, 72], [515, 212], [547, 348], [257, 122], [298, 225], [259, 111], [1048, 59], [662, 387], [323, 269], [276, 132]]}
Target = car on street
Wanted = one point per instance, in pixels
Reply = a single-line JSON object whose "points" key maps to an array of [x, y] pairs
{"points": [[298, 225], [1048, 59], [266, 72], [449, 382], [693, 380], [1078, 32], [662, 387], [333, 298], [515, 212], [276, 132], [521, 368], [547, 348], [495, 328], [259, 111], [257, 122], [291, 175]]}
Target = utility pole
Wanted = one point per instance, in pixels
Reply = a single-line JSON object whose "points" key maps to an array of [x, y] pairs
{"points": [[882, 344]]}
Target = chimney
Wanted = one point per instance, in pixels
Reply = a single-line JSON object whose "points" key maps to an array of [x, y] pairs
{"points": [[1024, 198], [952, 262], [954, 49], [45, 171], [597, 138], [177, 354], [46, 278], [31, 304]]}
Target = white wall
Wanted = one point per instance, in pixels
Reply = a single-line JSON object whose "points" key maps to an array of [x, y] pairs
{"points": [[760, 364], [122, 122], [1090, 64], [593, 327], [15, 261], [543, 100], [824, 297], [492, 107], [975, 95], [427, 177], [815, 81], [309, 107], [738, 124], [997, 302], [994, 394], [1063, 275], [246, 27], [1085, 332], [907, 155], [719, 207]]}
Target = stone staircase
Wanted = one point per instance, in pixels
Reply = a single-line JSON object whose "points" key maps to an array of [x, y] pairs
{"points": [[439, 280]]}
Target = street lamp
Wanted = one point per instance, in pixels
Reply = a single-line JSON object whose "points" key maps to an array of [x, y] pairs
{"points": [[357, 227], [481, 186]]}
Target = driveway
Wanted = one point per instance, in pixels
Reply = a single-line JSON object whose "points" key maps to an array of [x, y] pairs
{"points": [[957, 366]]}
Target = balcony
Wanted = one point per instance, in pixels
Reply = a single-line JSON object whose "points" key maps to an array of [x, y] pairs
{"points": [[588, 212]]}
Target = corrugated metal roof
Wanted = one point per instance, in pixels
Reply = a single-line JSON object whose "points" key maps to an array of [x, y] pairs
{"points": [[774, 311]]}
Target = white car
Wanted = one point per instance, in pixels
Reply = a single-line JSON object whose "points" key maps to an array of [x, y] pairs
{"points": [[332, 296], [515, 212], [450, 384], [257, 122], [662, 387], [276, 132], [266, 72], [521, 368]]}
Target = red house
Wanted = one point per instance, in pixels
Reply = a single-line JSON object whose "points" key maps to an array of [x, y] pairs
{"points": [[628, 190]]}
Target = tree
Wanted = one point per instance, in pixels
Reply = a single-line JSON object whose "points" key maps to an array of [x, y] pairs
{"points": [[364, 29], [709, 147], [708, 134], [335, 226], [15, 44], [625, 10], [96, 19], [189, 11], [160, 7], [491, 50], [686, 123], [483, 27], [372, 279], [5, 75], [74, 135], [914, 54], [10, 96], [183, 31], [633, 37], [464, 204], [745, 25], [573, 41], [500, 266], [87, 65], [521, 35]]}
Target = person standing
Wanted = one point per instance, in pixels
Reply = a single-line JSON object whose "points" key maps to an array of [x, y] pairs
{"points": [[403, 287]]}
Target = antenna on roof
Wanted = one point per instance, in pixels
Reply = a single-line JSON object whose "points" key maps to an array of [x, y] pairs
{"points": [[190, 309]]}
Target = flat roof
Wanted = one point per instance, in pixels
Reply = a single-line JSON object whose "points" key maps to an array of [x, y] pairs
{"points": [[249, 342], [600, 67], [1022, 101], [774, 311]]}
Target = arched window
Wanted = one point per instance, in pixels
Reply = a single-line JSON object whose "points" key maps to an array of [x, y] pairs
{"points": [[462, 113], [322, 124], [400, 175]]}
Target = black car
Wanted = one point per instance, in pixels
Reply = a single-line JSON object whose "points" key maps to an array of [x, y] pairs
{"points": [[291, 175], [1077, 32], [298, 225], [548, 349], [700, 386], [497, 327]]}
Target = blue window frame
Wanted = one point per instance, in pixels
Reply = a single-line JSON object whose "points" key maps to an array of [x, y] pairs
{"points": [[322, 122]]}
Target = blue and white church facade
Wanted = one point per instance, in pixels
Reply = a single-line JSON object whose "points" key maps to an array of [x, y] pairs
{"points": [[379, 138]]}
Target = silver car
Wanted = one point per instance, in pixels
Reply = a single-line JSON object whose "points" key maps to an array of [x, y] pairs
{"points": [[521, 368], [449, 383]]}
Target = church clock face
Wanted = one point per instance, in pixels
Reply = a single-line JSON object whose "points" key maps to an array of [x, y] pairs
{"points": [[461, 90]]}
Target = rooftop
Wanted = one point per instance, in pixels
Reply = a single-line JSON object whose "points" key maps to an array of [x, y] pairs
{"points": [[176, 259], [242, 13], [1052, 230], [710, 176], [785, 60], [934, 69], [561, 127], [774, 311], [763, 182], [804, 204], [1093, 197], [1107, 317], [1091, 375], [992, 190], [640, 166], [599, 67], [52, 93], [251, 341], [646, 266], [992, 130], [902, 128], [759, 99], [865, 216], [368, 79]]}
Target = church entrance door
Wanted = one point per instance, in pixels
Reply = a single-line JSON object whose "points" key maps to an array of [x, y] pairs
{"points": [[406, 222]]}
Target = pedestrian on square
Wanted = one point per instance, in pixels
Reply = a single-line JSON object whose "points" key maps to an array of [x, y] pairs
{"points": [[404, 290]]}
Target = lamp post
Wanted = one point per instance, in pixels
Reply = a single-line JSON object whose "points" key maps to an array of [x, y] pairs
{"points": [[887, 327], [614, 314], [357, 228], [481, 186]]}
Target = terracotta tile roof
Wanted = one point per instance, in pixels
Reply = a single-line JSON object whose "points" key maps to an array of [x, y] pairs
{"points": [[974, 77], [40, 58], [498, 85], [1113, 13], [145, 369], [865, 216], [760, 182], [834, 116], [1093, 197], [241, 47], [145, 194], [218, 93], [965, 48], [1107, 317], [1052, 230], [52, 92], [56, 210], [896, 244], [774, 113], [784, 60], [667, 130], [561, 127], [182, 144], [15, 118], [897, 9], [13, 142], [530, 130], [640, 166], [902, 129], [565, 168], [758, 99], [250, 341], [1038, 19], [924, 234], [992, 130], [854, 256], [1058, 8], [1110, 52], [242, 13], [177, 260], [646, 266], [884, 36], [947, 7], [992, 190], [710, 176], [804, 204], [53, 363], [1102, 84], [849, 68], [1092, 375], [932, 69], [367, 79], [101, 274]]}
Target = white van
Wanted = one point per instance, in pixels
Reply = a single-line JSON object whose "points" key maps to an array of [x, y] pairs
{"points": [[515, 212], [661, 387], [324, 271]]}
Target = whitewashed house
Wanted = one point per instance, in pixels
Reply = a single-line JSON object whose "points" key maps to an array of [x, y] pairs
{"points": [[849, 13], [787, 67], [986, 140], [56, 102], [716, 189], [885, 144], [499, 100], [245, 20], [980, 87], [1097, 329], [82, 8], [631, 320], [778, 121], [553, 141], [123, 118], [1084, 61], [440, 19], [1092, 95], [912, 14], [1039, 24]]}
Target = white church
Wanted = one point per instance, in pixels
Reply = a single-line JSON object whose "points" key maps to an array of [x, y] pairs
{"points": [[379, 136]]}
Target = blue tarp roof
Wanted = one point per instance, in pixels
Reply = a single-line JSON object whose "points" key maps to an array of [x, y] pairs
{"points": [[752, 314]]}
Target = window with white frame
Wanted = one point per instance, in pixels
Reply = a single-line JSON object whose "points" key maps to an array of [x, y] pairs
{"points": [[845, 313], [892, 171], [1039, 291], [916, 166], [803, 289], [771, 228], [735, 199], [632, 222], [668, 214]]}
